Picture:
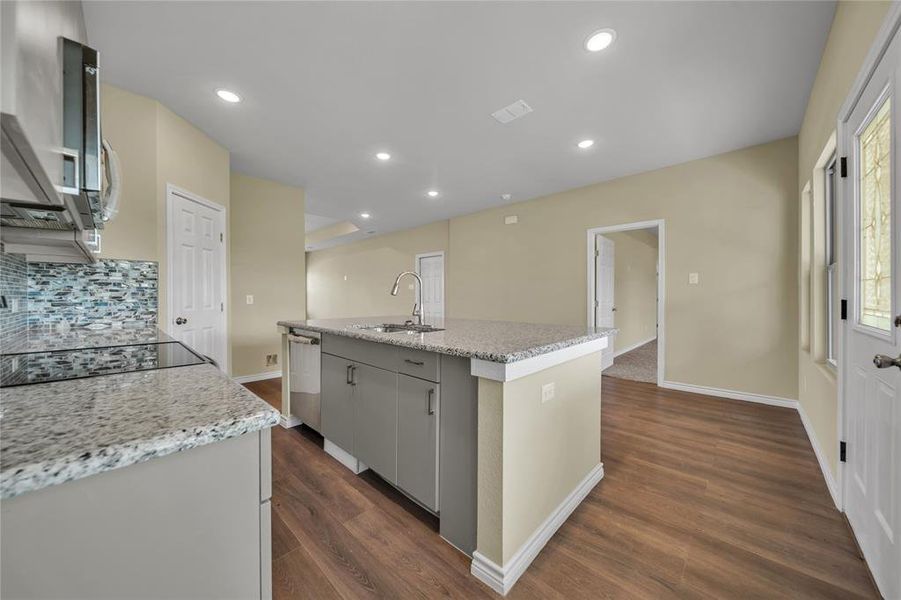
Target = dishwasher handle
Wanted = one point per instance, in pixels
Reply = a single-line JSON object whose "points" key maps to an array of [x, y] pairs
{"points": [[302, 339]]}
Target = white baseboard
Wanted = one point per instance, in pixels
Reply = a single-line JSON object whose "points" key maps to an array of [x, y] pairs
{"points": [[732, 394], [258, 376], [501, 579], [821, 458], [343, 456], [289, 421], [633, 346]]}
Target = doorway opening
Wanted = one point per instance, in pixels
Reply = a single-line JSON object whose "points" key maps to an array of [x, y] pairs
{"points": [[625, 291], [197, 277], [430, 267]]}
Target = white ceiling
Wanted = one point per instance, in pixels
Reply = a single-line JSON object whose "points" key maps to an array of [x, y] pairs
{"points": [[328, 84]]}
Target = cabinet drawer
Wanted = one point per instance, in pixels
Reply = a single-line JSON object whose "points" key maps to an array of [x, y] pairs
{"points": [[383, 356], [418, 363]]}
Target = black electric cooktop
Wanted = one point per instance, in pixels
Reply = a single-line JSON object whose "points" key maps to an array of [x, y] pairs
{"points": [[61, 365]]}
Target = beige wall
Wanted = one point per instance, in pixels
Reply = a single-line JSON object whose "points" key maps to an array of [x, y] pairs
{"points": [[355, 280], [853, 30], [156, 148], [732, 218], [634, 287], [511, 507], [267, 246]]}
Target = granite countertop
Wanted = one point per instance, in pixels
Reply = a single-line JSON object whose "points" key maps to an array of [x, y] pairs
{"points": [[494, 341], [51, 433], [46, 340]]}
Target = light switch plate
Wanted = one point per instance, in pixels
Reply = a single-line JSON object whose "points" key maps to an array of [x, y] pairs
{"points": [[249, 298], [547, 392], [693, 279], [511, 220]]}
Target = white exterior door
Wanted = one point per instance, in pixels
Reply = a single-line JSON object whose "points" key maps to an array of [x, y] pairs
{"points": [[872, 395], [196, 275], [604, 306], [431, 269]]}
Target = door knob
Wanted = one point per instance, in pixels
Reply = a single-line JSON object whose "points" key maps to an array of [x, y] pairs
{"points": [[884, 362], [180, 321]]}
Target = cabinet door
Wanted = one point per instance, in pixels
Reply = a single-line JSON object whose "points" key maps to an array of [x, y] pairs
{"points": [[375, 419], [418, 406], [337, 402]]}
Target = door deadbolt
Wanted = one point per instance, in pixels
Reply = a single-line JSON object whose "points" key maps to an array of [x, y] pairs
{"points": [[180, 321]]}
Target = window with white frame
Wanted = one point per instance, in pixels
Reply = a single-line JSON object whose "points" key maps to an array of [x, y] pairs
{"points": [[831, 237]]}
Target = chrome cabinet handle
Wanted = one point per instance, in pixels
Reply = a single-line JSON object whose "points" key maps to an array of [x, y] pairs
{"points": [[353, 375], [349, 378], [418, 363], [884, 362], [180, 321], [429, 398]]}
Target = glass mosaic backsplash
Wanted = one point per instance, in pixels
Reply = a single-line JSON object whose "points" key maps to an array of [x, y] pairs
{"points": [[13, 286], [109, 292]]}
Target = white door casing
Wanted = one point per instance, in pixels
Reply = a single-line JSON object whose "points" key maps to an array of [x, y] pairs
{"points": [[197, 274], [430, 267], [871, 238], [604, 300]]}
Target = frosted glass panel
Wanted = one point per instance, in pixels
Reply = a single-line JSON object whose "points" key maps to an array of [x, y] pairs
{"points": [[875, 194]]}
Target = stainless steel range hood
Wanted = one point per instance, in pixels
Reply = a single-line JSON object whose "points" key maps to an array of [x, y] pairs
{"points": [[50, 192]]}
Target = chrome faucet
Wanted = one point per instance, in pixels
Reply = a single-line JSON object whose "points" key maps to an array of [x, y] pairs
{"points": [[417, 308]]}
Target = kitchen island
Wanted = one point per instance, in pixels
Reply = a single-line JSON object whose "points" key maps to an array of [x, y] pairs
{"points": [[153, 483], [493, 426]]}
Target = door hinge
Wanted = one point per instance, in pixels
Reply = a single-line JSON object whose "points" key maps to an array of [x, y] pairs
{"points": [[844, 309], [842, 451], [843, 166], [222, 307], [221, 237]]}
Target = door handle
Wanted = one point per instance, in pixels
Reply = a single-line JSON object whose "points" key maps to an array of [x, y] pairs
{"points": [[180, 321], [429, 398], [884, 362]]}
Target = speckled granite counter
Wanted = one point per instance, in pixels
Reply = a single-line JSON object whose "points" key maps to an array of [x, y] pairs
{"points": [[45, 340], [495, 341], [51, 433]]}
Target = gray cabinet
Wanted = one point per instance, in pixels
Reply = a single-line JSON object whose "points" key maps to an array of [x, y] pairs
{"points": [[375, 419], [418, 408], [337, 402]]}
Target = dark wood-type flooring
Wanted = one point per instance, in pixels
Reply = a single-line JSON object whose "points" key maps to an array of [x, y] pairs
{"points": [[702, 498]]}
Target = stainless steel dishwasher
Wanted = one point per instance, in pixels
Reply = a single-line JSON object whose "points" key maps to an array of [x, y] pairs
{"points": [[304, 381]]}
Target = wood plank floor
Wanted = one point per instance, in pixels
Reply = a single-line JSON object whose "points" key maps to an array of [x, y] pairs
{"points": [[702, 498]]}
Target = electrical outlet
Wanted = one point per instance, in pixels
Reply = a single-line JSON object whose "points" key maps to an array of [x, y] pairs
{"points": [[271, 360], [547, 392], [693, 279], [511, 220], [249, 298]]}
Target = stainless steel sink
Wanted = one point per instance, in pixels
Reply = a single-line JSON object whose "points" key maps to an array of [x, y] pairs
{"points": [[409, 328]]}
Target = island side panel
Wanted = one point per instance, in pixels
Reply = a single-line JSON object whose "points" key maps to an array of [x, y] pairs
{"points": [[549, 447], [535, 456]]}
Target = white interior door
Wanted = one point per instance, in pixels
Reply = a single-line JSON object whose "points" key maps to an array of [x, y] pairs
{"points": [[196, 275], [872, 476], [604, 305], [431, 269]]}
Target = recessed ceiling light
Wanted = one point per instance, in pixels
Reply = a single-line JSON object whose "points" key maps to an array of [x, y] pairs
{"points": [[383, 156], [599, 40], [432, 193], [506, 196], [585, 144], [365, 215], [228, 96]]}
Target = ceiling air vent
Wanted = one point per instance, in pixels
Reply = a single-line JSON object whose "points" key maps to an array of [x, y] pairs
{"points": [[512, 112]]}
